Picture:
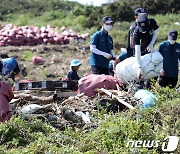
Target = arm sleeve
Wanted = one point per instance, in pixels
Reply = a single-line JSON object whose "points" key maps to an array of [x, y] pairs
{"points": [[138, 54], [154, 37], [95, 50]]}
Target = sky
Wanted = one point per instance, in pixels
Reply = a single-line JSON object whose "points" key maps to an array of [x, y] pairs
{"points": [[94, 2]]}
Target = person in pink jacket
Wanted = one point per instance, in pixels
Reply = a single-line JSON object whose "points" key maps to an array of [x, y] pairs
{"points": [[6, 95]]}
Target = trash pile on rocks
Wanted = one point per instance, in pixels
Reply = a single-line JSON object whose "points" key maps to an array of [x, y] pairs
{"points": [[33, 35]]}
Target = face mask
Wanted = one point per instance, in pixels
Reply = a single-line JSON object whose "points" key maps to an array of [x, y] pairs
{"points": [[172, 41], [107, 27]]}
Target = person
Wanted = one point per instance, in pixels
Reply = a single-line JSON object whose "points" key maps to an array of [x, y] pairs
{"points": [[10, 67], [145, 35], [170, 50], [74, 66], [101, 47], [130, 47]]}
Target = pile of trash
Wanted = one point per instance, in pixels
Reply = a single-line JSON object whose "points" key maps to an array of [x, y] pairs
{"points": [[75, 111], [33, 35], [62, 108]]}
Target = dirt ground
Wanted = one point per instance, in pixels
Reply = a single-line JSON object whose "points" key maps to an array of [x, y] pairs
{"points": [[57, 60]]}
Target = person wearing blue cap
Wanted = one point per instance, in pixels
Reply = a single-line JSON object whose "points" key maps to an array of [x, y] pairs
{"points": [[170, 50], [101, 47], [74, 66], [9, 66], [130, 46], [144, 37]]}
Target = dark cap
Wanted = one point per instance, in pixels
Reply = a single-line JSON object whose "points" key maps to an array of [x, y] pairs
{"points": [[107, 19], [139, 10], [173, 34], [142, 22]]}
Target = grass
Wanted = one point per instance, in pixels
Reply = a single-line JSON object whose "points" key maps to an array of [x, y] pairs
{"points": [[27, 55]]}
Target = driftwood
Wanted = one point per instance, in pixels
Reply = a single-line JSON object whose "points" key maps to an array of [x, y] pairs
{"points": [[37, 99], [114, 97]]}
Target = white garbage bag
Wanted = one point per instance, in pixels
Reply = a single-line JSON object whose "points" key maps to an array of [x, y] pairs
{"points": [[152, 63], [29, 109], [84, 116]]}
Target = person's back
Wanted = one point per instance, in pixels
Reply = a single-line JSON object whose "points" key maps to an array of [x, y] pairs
{"points": [[9, 66]]}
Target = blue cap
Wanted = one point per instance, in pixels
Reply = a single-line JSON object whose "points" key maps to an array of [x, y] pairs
{"points": [[75, 62], [9, 64]]}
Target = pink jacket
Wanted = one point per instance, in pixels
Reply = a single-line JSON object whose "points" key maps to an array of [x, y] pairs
{"points": [[6, 96]]}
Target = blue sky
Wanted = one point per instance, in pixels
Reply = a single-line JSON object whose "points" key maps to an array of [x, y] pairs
{"points": [[94, 2]]}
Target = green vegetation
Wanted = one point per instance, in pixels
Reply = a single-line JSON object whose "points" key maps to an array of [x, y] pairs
{"points": [[27, 55]]}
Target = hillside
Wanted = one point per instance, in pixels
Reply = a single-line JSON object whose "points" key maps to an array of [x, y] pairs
{"points": [[108, 133]]}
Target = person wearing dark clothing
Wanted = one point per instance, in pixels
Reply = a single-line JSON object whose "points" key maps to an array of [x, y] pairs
{"points": [[170, 50], [101, 48], [10, 67], [72, 74], [145, 35], [130, 46]]}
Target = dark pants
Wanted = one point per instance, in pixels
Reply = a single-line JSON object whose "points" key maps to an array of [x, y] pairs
{"points": [[99, 70], [168, 81]]}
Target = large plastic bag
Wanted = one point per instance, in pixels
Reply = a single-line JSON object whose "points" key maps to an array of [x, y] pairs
{"points": [[152, 63], [146, 97], [88, 83]]}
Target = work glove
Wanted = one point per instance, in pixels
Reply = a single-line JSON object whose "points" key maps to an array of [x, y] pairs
{"points": [[150, 48], [107, 55]]}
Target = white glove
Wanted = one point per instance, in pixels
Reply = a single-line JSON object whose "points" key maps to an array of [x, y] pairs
{"points": [[107, 55], [150, 47]]}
